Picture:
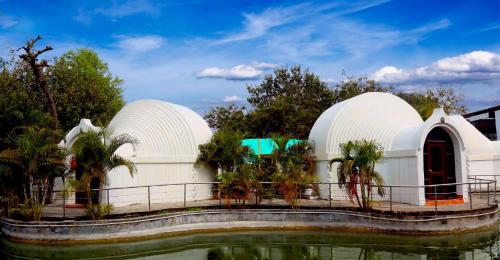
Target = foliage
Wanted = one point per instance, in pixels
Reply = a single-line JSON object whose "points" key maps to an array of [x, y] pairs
{"points": [[238, 185], [295, 169], [231, 117], [423, 102], [356, 86], [91, 209], [288, 102], [34, 160], [448, 99], [224, 151], [95, 153], [356, 170], [84, 88]]}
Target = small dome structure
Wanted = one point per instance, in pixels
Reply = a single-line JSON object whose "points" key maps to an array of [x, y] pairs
{"points": [[372, 116], [170, 131]]}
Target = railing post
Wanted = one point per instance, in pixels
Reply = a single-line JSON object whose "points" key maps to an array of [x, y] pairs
{"points": [[390, 198], [488, 196], [480, 190], [495, 191], [149, 198], [107, 199], [64, 204], [184, 195], [220, 196], [470, 197], [330, 194], [435, 200]]}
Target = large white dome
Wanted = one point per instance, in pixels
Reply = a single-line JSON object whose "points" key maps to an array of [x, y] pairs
{"points": [[371, 116], [166, 132]]}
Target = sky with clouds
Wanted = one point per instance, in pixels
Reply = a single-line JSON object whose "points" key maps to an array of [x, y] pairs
{"points": [[204, 53]]}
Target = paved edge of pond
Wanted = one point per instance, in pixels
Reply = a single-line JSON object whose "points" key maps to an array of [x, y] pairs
{"points": [[192, 222]]}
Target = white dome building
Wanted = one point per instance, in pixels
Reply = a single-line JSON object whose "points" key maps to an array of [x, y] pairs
{"points": [[443, 149], [168, 137]]}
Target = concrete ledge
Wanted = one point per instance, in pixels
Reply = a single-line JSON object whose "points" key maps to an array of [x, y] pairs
{"points": [[230, 220]]}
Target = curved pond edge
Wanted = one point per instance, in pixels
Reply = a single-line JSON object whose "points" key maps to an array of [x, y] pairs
{"points": [[243, 220]]}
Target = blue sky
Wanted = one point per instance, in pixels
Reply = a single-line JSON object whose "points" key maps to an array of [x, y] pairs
{"points": [[204, 53]]}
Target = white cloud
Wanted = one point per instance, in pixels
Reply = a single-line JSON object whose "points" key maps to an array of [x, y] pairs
{"points": [[140, 43], [7, 22], [476, 66], [256, 25], [232, 99], [490, 27], [263, 65], [240, 72], [118, 9]]}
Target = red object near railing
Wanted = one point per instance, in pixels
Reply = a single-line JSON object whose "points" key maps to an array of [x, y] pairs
{"points": [[73, 163]]}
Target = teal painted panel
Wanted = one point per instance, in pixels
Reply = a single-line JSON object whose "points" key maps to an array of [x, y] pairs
{"points": [[266, 145]]}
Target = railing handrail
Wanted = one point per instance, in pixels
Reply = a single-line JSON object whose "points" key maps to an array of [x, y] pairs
{"points": [[477, 181]]}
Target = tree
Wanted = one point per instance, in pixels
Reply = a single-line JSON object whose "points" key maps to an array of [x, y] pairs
{"points": [[424, 102], [35, 160], [294, 166], [95, 153], [352, 87], [356, 168], [224, 151], [421, 102], [84, 88], [38, 69], [448, 99], [231, 117], [288, 102]]}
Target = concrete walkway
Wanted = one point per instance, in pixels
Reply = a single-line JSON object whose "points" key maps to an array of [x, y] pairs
{"points": [[479, 202]]}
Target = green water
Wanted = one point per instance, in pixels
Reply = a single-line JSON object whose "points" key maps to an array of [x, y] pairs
{"points": [[274, 245]]}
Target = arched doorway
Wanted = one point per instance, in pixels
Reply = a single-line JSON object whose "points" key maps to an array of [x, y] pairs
{"points": [[439, 165]]}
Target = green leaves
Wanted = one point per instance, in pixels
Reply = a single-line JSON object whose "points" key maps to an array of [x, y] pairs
{"points": [[356, 170], [95, 153], [224, 151]]}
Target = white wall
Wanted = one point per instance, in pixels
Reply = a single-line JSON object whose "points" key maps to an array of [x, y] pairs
{"points": [[485, 169], [155, 174]]}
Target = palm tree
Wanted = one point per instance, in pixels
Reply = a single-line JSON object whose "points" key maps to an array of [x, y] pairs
{"points": [[36, 160], [95, 153], [224, 151], [294, 168], [357, 167]]}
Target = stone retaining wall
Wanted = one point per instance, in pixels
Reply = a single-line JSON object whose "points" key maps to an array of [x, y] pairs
{"points": [[226, 220]]}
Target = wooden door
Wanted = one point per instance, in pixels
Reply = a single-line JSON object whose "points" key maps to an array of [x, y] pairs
{"points": [[435, 170]]}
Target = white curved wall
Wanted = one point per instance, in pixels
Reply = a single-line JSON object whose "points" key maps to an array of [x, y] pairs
{"points": [[395, 125], [168, 137]]}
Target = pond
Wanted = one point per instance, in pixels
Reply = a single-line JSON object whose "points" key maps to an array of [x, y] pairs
{"points": [[274, 245]]}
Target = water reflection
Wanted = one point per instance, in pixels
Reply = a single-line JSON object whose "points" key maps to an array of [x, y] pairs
{"points": [[275, 245]]}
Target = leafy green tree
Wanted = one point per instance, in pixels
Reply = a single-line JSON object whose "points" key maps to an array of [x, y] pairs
{"points": [[224, 151], [95, 153], [421, 102], [294, 169], [34, 161], [288, 102], [356, 168], [231, 117], [356, 86], [84, 88]]}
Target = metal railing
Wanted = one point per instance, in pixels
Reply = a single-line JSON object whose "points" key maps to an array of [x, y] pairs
{"points": [[398, 198]]}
